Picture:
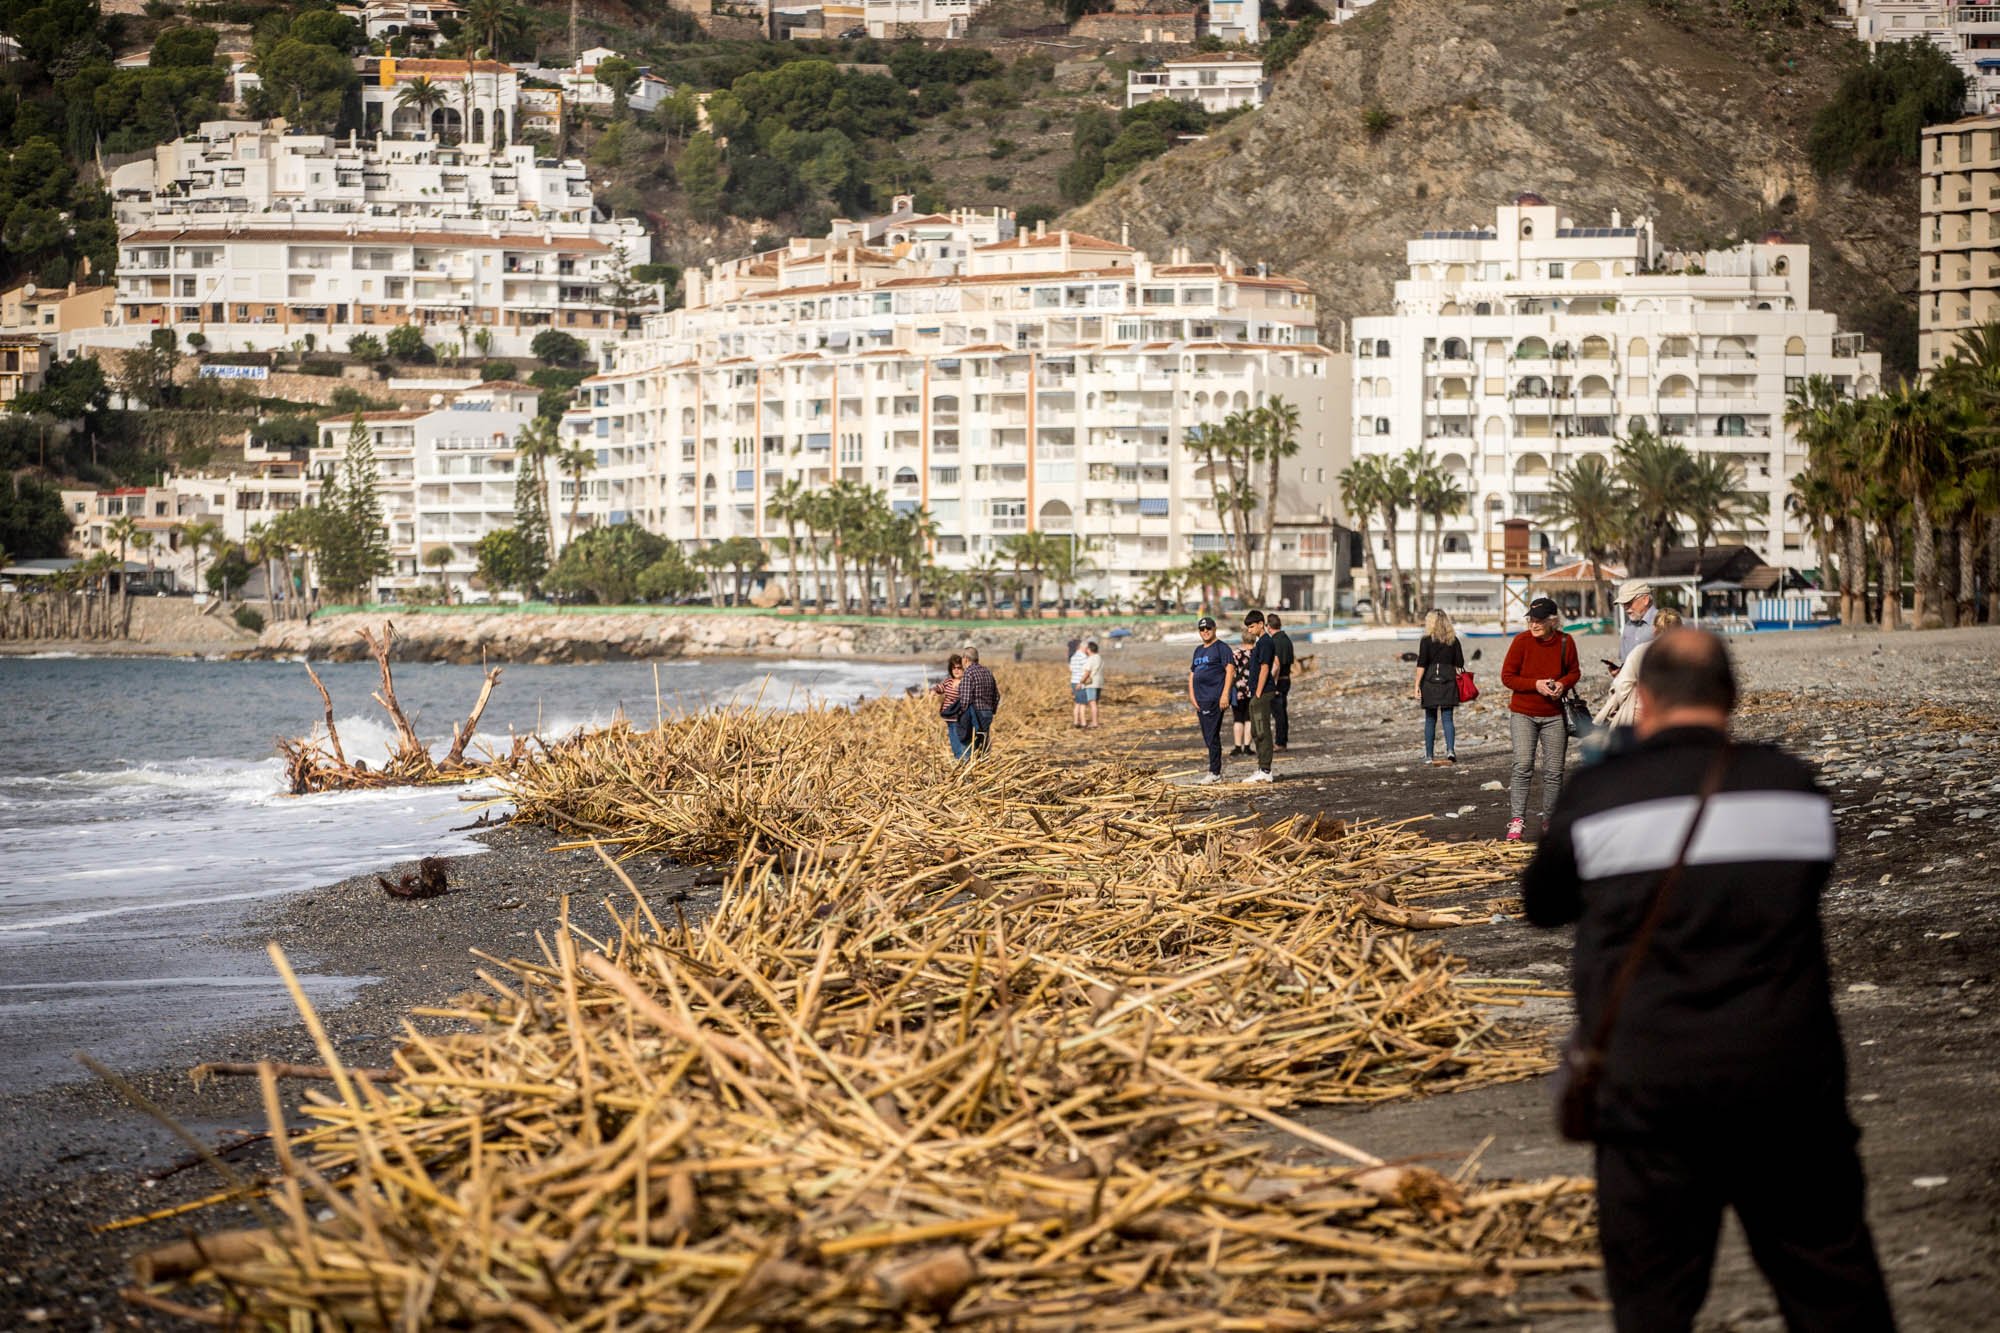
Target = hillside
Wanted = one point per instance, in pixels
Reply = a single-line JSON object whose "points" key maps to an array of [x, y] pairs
{"points": [[1596, 106]]}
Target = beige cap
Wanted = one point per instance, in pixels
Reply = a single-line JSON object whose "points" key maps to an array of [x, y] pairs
{"points": [[1633, 589]]}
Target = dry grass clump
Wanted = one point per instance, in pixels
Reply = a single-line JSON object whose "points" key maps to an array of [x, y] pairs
{"points": [[997, 1047]]}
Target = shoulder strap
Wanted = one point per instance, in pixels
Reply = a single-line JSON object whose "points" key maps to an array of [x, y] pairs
{"points": [[1656, 909]]}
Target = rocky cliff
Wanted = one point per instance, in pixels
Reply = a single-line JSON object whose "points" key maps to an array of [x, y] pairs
{"points": [[1595, 106]]}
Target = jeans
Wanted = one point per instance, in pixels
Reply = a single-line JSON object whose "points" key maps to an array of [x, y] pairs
{"points": [[1430, 732], [1281, 722], [1530, 734], [1211, 736], [959, 745], [1260, 729], [974, 724]]}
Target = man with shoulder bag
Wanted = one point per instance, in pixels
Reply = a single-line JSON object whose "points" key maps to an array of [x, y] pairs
{"points": [[1707, 1065]]}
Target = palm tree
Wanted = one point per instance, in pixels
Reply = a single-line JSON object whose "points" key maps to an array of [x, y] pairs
{"points": [[1068, 562], [985, 573], [1397, 493], [1361, 485], [1825, 421], [425, 95], [575, 464], [494, 20], [1586, 505], [1916, 428], [122, 530], [1030, 551], [1716, 500], [1654, 474], [1208, 571], [1275, 436], [437, 558], [785, 502], [201, 536], [259, 548], [1435, 495]]}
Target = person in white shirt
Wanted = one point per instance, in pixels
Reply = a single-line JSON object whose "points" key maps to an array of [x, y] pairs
{"points": [[1079, 663], [1092, 683]]}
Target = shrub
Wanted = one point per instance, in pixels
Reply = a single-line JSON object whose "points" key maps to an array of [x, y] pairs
{"points": [[365, 347], [1377, 121], [997, 183], [197, 340], [1873, 126], [496, 370], [557, 348], [405, 342], [250, 618], [1001, 147]]}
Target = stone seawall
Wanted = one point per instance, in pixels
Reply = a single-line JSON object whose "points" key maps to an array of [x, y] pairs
{"points": [[592, 637]]}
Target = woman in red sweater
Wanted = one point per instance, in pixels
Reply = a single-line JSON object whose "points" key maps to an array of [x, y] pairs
{"points": [[1541, 667]]}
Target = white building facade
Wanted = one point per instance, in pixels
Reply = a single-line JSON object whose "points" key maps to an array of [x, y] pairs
{"points": [[1968, 33], [1046, 382], [1517, 349], [1220, 82], [1236, 21], [255, 238], [887, 20]]}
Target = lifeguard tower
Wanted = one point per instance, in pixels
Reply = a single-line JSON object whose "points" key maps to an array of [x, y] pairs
{"points": [[1511, 554]]}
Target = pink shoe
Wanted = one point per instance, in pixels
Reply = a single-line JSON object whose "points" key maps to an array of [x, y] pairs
{"points": [[1515, 827]]}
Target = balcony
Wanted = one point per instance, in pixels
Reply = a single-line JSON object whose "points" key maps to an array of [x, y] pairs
{"points": [[1522, 561]]}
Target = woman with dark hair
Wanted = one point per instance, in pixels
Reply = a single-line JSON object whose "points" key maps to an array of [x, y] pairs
{"points": [[949, 707]]}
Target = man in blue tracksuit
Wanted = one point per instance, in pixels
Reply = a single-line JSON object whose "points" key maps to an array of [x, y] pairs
{"points": [[1210, 679]]}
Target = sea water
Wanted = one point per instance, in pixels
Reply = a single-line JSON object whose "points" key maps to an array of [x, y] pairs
{"points": [[142, 805]]}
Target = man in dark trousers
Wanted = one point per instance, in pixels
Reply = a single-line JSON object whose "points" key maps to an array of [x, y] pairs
{"points": [[1211, 679], [1281, 644], [1724, 1083], [1263, 673], [980, 695]]}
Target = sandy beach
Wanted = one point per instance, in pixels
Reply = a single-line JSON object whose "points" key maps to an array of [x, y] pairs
{"points": [[1903, 738]]}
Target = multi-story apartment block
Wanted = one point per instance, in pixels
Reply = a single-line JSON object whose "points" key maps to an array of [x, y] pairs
{"points": [[1517, 349], [255, 237], [1047, 381], [1218, 82], [447, 476], [1968, 33], [1959, 234], [60, 313]]}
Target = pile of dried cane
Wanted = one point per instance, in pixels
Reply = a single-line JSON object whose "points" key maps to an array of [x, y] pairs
{"points": [[997, 1048]]}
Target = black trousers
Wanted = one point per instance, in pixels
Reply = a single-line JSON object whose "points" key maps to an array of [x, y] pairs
{"points": [[1799, 1197], [1211, 735], [1281, 725]]}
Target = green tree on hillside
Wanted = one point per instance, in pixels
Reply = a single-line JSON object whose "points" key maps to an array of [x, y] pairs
{"points": [[1873, 126], [349, 540], [700, 175]]}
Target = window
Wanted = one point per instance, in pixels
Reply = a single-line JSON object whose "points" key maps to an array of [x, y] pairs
{"points": [[1381, 347], [1555, 271], [1381, 425]]}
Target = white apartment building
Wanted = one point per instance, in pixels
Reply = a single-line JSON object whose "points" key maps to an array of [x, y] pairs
{"points": [[447, 476], [1518, 348], [1968, 33], [481, 103], [578, 81], [887, 20], [1045, 382], [1218, 82], [255, 237], [1236, 21]]}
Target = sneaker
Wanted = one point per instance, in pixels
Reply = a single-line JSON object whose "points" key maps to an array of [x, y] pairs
{"points": [[1235, 750], [1279, 748], [1451, 759], [1207, 778], [1260, 775], [1545, 826], [1515, 828]]}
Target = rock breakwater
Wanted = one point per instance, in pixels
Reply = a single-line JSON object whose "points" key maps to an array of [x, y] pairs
{"points": [[513, 636]]}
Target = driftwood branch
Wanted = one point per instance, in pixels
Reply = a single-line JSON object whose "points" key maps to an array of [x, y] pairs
{"points": [[235, 1069], [461, 735], [408, 746], [332, 736]]}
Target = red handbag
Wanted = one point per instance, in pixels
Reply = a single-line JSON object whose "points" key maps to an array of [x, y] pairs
{"points": [[1467, 691]]}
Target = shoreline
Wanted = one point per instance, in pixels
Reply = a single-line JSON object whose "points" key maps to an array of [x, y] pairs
{"points": [[1918, 1099]]}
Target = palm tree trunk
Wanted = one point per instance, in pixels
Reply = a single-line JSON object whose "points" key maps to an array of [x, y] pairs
{"points": [[1968, 573], [1993, 570], [792, 567], [1926, 557], [1892, 576], [1374, 576], [1395, 598], [1437, 545], [1853, 571]]}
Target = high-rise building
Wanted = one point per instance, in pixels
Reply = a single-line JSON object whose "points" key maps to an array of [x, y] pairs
{"points": [[1518, 347], [1005, 381], [1959, 236]]}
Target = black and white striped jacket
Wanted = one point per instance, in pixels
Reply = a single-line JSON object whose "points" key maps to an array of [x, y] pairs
{"points": [[1730, 1015]]}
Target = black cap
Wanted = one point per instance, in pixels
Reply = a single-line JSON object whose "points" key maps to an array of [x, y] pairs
{"points": [[1206, 622], [1544, 608]]}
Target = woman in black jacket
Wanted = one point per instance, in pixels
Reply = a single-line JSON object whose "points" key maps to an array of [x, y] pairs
{"points": [[1440, 657]]}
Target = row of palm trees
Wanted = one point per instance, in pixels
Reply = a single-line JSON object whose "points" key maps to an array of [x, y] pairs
{"points": [[1378, 487], [1908, 482]]}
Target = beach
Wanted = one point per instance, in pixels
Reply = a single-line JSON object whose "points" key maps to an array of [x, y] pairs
{"points": [[1913, 917]]}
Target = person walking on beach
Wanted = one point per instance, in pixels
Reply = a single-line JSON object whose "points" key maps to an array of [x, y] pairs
{"points": [[1093, 680], [1281, 722], [1239, 698], [1620, 709], [979, 699], [1638, 625], [1263, 689], [1079, 663], [1440, 660], [1211, 689], [1540, 668], [1694, 868], [949, 706]]}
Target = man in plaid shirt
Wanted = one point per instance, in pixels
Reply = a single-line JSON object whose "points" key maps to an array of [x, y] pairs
{"points": [[980, 694]]}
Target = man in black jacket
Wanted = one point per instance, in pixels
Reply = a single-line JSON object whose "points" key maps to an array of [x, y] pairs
{"points": [[1724, 1083]]}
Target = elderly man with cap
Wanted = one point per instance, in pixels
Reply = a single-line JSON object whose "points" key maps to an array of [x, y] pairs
{"points": [[1635, 598], [1211, 679], [1541, 666]]}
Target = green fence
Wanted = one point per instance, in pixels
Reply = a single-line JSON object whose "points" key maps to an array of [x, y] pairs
{"points": [[1086, 622]]}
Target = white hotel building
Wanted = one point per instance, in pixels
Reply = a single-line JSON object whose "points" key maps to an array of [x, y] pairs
{"points": [[1026, 382], [255, 237], [1516, 349]]}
